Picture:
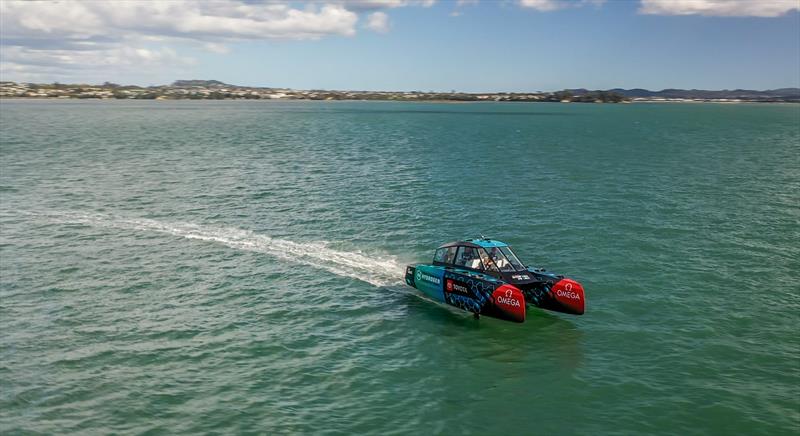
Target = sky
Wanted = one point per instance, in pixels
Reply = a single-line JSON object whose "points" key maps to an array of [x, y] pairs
{"points": [[407, 45]]}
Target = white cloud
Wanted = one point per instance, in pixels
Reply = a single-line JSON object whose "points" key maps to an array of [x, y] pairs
{"points": [[191, 19], [114, 35], [382, 4], [70, 34], [27, 64], [116, 56], [213, 47], [553, 5], [543, 5], [723, 8], [373, 4], [460, 5], [378, 22]]}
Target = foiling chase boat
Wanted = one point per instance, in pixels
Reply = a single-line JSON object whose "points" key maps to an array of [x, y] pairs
{"points": [[485, 277]]}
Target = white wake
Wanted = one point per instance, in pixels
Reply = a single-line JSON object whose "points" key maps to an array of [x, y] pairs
{"points": [[381, 270]]}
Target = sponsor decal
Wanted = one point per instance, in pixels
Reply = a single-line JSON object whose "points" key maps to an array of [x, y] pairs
{"points": [[568, 293], [510, 303], [421, 276], [570, 296], [457, 288], [508, 299], [521, 277]]}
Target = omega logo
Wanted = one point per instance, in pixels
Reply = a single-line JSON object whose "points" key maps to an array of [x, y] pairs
{"points": [[508, 300], [568, 293]]}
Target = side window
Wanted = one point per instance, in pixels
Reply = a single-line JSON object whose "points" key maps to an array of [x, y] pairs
{"points": [[450, 255], [439, 256], [468, 257]]}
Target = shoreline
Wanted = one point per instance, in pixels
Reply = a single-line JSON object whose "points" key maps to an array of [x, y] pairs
{"points": [[442, 101], [215, 90]]}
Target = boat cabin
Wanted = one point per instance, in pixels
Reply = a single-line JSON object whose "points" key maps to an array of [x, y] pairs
{"points": [[484, 255]]}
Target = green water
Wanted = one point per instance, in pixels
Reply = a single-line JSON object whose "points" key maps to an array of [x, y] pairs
{"points": [[194, 267]]}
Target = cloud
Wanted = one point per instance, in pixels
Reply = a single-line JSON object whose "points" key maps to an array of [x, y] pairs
{"points": [[378, 22], [217, 48], [460, 5], [100, 33], [191, 19], [131, 56], [115, 35], [543, 5], [554, 5], [34, 64], [721, 8], [367, 5]]}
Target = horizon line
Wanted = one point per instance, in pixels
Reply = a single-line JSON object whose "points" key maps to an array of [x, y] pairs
{"points": [[452, 91]]}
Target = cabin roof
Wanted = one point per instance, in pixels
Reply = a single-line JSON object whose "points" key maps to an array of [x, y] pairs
{"points": [[485, 243]]}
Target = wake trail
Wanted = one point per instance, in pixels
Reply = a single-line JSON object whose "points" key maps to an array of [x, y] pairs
{"points": [[376, 270]]}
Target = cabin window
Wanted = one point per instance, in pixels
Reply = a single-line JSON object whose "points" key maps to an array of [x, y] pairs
{"points": [[450, 256], [500, 260], [512, 258], [445, 255], [487, 261], [469, 257]]}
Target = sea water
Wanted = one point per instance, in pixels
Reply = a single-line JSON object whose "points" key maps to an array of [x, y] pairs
{"points": [[192, 267]]}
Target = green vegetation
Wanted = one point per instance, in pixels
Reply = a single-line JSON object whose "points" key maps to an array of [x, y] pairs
{"points": [[215, 90]]}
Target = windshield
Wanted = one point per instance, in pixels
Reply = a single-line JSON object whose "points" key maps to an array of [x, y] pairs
{"points": [[504, 259], [512, 258], [499, 259]]}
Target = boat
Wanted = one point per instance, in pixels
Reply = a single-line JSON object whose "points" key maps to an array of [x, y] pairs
{"points": [[485, 277]]}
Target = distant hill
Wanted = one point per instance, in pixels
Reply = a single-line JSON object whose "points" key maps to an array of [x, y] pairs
{"points": [[216, 90], [782, 94], [785, 94], [203, 83]]}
